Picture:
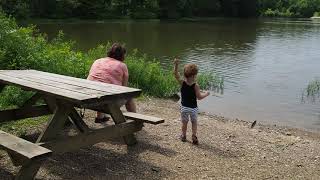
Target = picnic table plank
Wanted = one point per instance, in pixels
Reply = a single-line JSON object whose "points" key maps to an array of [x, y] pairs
{"points": [[75, 89], [24, 153], [61, 84], [25, 148], [104, 87], [143, 118], [31, 85]]}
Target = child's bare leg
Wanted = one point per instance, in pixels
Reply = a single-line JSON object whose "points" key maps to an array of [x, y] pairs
{"points": [[194, 128], [131, 106], [184, 128]]}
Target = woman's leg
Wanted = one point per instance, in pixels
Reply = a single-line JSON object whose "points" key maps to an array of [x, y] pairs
{"points": [[100, 115], [131, 106]]}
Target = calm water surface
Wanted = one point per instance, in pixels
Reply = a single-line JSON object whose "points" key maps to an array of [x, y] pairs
{"points": [[266, 63]]}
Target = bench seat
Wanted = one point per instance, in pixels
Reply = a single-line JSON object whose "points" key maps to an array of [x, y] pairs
{"points": [[22, 148], [143, 118]]}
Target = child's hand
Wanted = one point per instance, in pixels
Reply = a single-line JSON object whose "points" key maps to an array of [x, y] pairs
{"points": [[207, 93]]}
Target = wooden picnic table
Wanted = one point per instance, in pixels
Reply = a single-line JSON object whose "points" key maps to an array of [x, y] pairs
{"points": [[62, 96]]}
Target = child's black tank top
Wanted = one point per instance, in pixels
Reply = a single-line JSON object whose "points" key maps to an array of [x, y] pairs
{"points": [[188, 95]]}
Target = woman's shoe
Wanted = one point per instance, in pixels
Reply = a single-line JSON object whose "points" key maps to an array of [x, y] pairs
{"points": [[101, 120]]}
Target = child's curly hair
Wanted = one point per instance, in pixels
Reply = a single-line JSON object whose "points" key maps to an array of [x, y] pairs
{"points": [[190, 70]]}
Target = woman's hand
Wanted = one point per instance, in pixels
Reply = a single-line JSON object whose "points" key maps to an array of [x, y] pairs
{"points": [[176, 61], [175, 70]]}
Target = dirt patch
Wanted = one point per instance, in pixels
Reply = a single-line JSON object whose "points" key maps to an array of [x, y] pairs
{"points": [[228, 149]]}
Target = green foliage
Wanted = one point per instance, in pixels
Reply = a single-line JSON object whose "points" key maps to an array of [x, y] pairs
{"points": [[288, 8], [149, 76], [210, 81], [316, 14], [13, 96], [277, 13], [18, 8]]}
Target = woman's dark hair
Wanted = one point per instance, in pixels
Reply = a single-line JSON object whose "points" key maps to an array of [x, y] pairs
{"points": [[117, 52]]}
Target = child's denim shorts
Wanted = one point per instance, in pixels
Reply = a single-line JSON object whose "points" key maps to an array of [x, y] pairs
{"points": [[189, 113]]}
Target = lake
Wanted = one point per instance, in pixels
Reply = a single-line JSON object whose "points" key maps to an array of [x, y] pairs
{"points": [[266, 63]]}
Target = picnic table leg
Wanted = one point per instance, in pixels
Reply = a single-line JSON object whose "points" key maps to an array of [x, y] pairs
{"points": [[118, 117], [51, 102], [78, 121], [56, 123], [1, 87], [29, 170]]}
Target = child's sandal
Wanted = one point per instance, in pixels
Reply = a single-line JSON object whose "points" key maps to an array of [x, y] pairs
{"points": [[183, 138], [195, 140]]}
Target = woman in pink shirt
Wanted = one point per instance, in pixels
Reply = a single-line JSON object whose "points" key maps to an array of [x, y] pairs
{"points": [[112, 70]]}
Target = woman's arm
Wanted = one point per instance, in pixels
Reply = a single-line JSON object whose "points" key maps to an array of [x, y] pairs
{"points": [[125, 75], [200, 95], [176, 72]]}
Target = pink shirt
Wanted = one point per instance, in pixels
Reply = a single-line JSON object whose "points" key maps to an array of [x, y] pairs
{"points": [[109, 70]]}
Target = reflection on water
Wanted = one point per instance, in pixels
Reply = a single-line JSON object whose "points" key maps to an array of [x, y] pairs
{"points": [[266, 64]]}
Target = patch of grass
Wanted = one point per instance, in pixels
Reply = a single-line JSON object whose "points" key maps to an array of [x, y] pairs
{"points": [[20, 127]]}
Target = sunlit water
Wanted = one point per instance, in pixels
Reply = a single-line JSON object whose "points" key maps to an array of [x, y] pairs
{"points": [[266, 63]]}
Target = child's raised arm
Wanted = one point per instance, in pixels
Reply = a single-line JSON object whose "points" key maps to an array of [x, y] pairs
{"points": [[200, 95], [176, 72]]}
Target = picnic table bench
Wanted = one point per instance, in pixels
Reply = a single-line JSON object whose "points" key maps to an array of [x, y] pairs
{"points": [[62, 96]]}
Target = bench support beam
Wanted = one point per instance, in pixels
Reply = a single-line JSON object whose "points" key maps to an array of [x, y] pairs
{"points": [[100, 135], [78, 121], [15, 114], [56, 123], [29, 170], [118, 118]]}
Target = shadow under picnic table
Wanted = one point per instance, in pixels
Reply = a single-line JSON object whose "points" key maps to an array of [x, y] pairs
{"points": [[101, 162], [5, 174]]}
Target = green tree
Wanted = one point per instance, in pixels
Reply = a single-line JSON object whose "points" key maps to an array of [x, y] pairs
{"points": [[19, 8]]}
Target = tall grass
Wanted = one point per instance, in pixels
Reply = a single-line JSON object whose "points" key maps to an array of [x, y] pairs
{"points": [[312, 92]]}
